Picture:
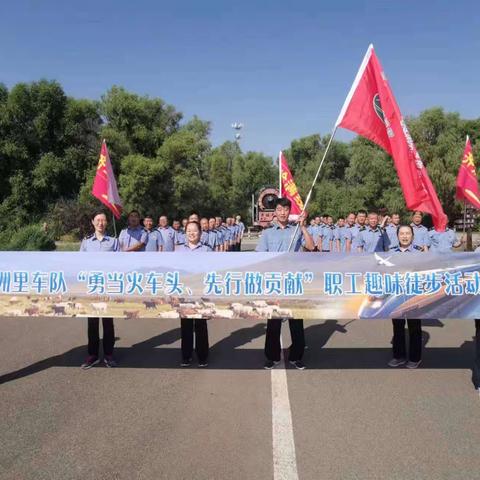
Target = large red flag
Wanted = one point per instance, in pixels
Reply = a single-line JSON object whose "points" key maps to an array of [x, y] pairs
{"points": [[104, 185], [371, 110], [467, 184], [288, 187]]}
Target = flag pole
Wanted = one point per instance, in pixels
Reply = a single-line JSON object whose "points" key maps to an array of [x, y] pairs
{"points": [[280, 174], [313, 183], [114, 225]]}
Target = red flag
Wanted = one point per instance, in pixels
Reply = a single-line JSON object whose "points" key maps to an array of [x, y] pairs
{"points": [[467, 184], [371, 110], [104, 185], [288, 187]]}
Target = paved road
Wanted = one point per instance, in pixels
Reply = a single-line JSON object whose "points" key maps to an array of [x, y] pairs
{"points": [[351, 417]]}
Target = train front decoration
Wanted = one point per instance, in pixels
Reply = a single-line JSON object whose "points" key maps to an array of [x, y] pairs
{"points": [[264, 207]]}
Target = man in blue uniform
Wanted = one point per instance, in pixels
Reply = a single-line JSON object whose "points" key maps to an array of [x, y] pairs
{"points": [[392, 222], [372, 238], [208, 237], [340, 238], [224, 232], [277, 239], [100, 242], [420, 233], [179, 232], [155, 241], [327, 236], [442, 242], [352, 233], [134, 237], [241, 231], [168, 234]]}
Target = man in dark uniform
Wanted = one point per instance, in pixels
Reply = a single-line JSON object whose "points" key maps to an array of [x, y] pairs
{"points": [[277, 238]]}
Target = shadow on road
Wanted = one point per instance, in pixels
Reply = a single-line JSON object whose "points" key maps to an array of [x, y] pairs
{"points": [[226, 354]]}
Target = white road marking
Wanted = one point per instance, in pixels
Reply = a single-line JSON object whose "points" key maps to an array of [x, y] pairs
{"points": [[284, 458]]}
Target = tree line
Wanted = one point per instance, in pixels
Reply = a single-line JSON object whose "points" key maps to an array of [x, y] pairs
{"points": [[50, 143]]}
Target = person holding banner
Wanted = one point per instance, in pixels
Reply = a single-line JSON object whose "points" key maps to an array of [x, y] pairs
{"points": [[277, 238], [192, 244], [405, 245], [100, 242]]}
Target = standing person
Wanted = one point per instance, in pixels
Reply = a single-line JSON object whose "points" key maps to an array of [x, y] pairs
{"points": [[179, 232], [155, 241], [100, 242], [405, 245], [353, 232], [442, 242], [277, 239], [241, 228], [134, 237], [420, 232], [224, 233], [391, 227], [189, 325], [372, 238], [167, 233], [208, 237], [340, 236], [217, 233], [327, 236]]}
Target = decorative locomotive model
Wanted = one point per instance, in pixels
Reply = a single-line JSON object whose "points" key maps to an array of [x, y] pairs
{"points": [[264, 207]]}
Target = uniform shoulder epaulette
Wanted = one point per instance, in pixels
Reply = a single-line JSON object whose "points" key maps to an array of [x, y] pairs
{"points": [[88, 236], [362, 228], [416, 247]]}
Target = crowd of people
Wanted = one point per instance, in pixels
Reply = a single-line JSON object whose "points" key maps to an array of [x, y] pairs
{"points": [[356, 233]]}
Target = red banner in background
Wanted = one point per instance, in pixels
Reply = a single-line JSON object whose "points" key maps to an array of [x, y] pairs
{"points": [[467, 183], [104, 185], [372, 111], [288, 187]]}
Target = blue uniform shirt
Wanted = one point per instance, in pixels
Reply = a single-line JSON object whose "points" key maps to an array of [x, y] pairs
{"points": [[220, 235], [373, 240], [328, 234], [391, 231], [209, 238], [179, 237], [199, 247], [340, 234], [442, 241], [93, 244], [129, 237], [352, 233], [410, 248], [168, 237], [155, 241], [420, 236], [277, 239]]}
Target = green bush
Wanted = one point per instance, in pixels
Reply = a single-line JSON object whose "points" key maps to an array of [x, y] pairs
{"points": [[31, 237]]}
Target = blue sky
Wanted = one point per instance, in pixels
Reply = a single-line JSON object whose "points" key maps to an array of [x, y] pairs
{"points": [[281, 68]]}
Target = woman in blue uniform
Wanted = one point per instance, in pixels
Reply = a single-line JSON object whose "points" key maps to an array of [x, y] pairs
{"points": [[405, 245], [100, 242], [192, 244]]}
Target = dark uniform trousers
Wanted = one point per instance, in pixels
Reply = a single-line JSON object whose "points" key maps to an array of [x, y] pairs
{"points": [[201, 338], [94, 336], [415, 339], [272, 339], [476, 364]]}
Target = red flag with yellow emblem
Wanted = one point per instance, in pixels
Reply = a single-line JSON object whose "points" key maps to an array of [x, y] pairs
{"points": [[467, 184], [105, 186], [288, 187]]}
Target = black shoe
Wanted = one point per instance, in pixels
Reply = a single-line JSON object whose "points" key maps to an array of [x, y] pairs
{"points": [[298, 364], [202, 364], [269, 364], [186, 362]]}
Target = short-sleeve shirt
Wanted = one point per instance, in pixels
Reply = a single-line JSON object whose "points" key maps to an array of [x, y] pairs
{"points": [[340, 234], [442, 241], [179, 237], [155, 241], [391, 231], [130, 237], [277, 239], [411, 248], [93, 244], [168, 237], [209, 238], [420, 235], [328, 234], [199, 247], [352, 233], [373, 240]]}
